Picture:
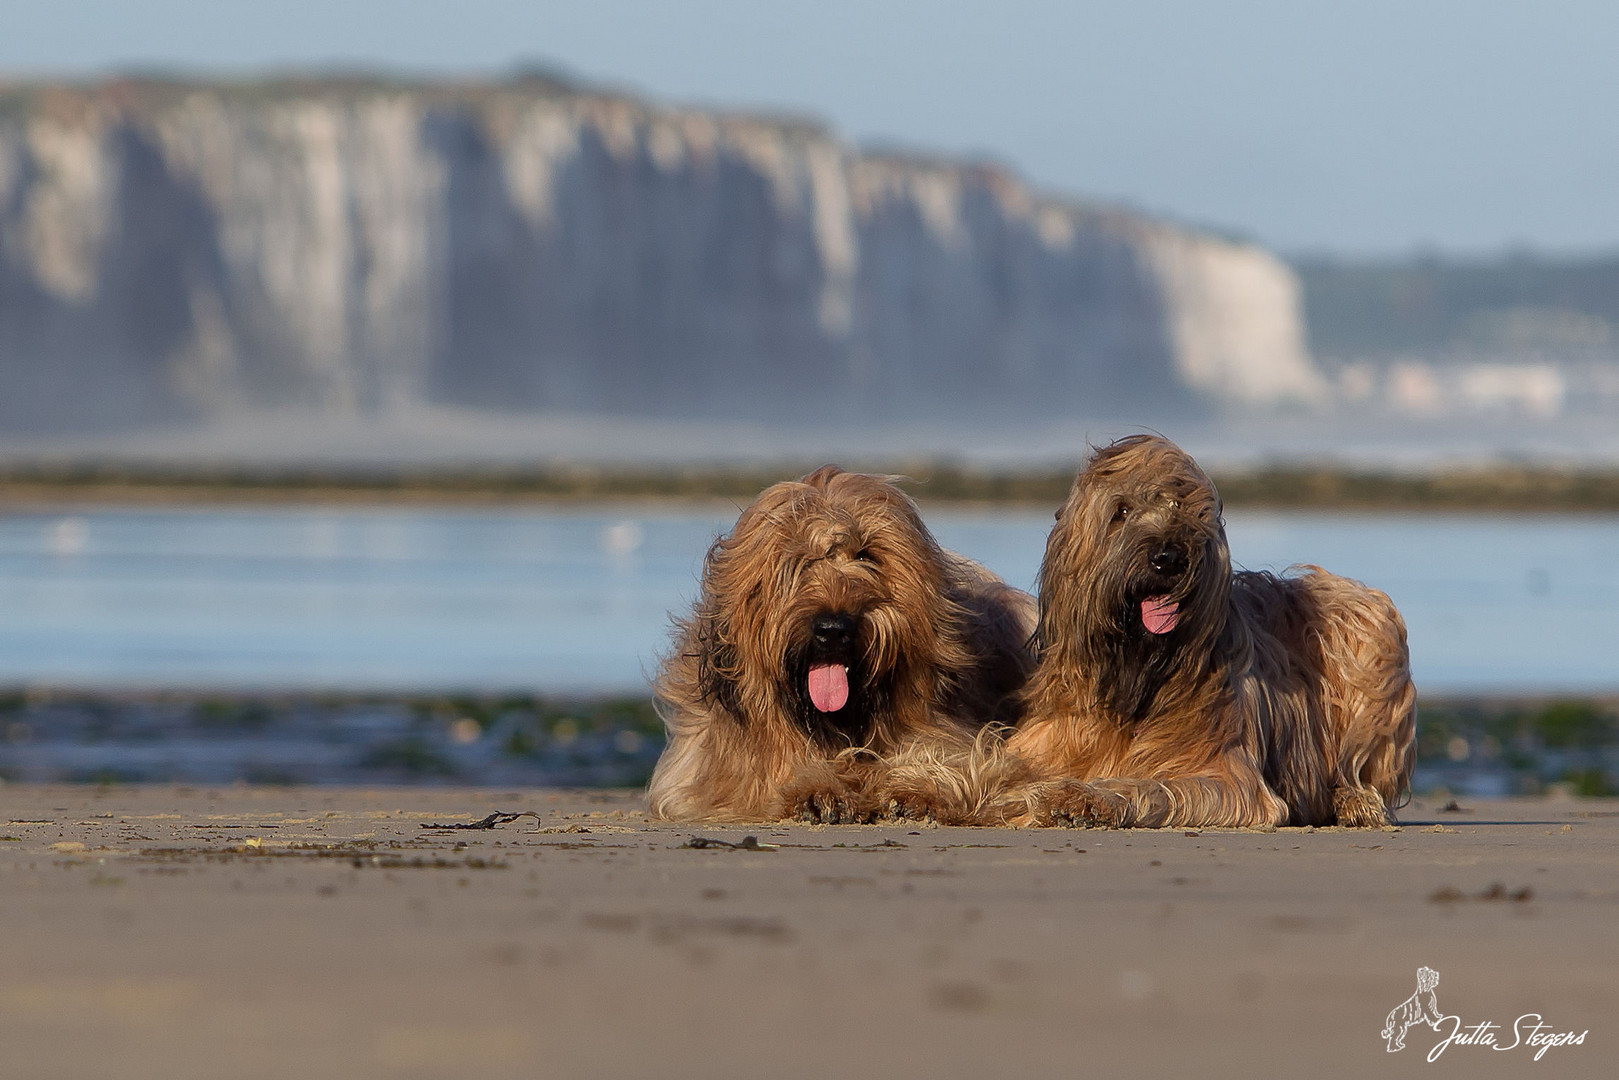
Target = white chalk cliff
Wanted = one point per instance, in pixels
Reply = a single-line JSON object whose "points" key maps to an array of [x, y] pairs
{"points": [[173, 249]]}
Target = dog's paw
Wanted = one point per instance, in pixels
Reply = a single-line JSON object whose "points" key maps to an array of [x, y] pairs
{"points": [[1084, 806], [910, 806], [1360, 808], [828, 806]]}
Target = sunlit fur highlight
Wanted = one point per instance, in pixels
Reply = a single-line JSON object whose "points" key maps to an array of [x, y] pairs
{"points": [[942, 649], [1275, 700]]}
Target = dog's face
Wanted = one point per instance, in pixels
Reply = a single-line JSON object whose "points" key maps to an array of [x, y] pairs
{"points": [[826, 601], [1137, 570]]}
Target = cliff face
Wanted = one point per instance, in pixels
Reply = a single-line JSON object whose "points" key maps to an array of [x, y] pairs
{"points": [[172, 249]]}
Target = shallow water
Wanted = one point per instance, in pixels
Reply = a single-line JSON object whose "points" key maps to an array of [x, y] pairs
{"points": [[578, 600]]}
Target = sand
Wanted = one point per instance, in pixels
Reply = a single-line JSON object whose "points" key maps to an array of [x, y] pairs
{"points": [[315, 932]]}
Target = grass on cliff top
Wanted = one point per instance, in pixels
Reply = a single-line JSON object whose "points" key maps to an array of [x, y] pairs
{"points": [[1511, 489]]}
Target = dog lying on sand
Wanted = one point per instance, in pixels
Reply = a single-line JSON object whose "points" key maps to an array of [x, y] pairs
{"points": [[832, 633], [1173, 692]]}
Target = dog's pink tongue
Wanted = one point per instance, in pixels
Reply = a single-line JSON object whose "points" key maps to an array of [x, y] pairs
{"points": [[829, 686], [1159, 614]]}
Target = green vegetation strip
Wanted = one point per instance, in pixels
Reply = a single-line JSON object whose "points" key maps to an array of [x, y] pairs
{"points": [[1573, 742], [1520, 489]]}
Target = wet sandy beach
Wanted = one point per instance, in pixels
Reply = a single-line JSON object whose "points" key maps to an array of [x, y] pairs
{"points": [[274, 932]]}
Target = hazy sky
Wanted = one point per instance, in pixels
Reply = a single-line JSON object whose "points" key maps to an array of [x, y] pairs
{"points": [[1355, 126]]}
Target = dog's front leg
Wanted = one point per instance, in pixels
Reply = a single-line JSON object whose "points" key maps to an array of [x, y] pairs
{"points": [[819, 794], [1231, 800], [1078, 804], [1235, 799]]}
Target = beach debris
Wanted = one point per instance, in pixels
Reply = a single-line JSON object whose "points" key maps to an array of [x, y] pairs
{"points": [[747, 843], [1454, 807], [499, 817], [1449, 894], [1498, 891]]}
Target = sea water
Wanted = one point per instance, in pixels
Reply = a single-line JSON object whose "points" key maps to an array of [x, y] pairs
{"points": [[578, 600]]}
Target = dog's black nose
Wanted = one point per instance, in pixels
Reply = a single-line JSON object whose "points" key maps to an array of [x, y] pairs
{"points": [[1168, 559], [833, 630]]}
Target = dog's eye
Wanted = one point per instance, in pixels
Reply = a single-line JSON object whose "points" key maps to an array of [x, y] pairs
{"points": [[865, 556], [1121, 513]]}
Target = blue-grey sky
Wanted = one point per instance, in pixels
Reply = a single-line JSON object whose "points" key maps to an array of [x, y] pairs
{"points": [[1357, 126]]}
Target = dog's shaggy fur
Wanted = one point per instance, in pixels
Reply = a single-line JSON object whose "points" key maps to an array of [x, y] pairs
{"points": [[832, 632], [1171, 691]]}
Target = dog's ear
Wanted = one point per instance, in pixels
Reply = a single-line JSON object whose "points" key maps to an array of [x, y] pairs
{"points": [[717, 665], [1055, 592], [718, 662], [1040, 640]]}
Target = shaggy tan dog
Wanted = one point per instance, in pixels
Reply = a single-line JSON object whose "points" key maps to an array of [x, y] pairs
{"points": [[832, 632], [1171, 691]]}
